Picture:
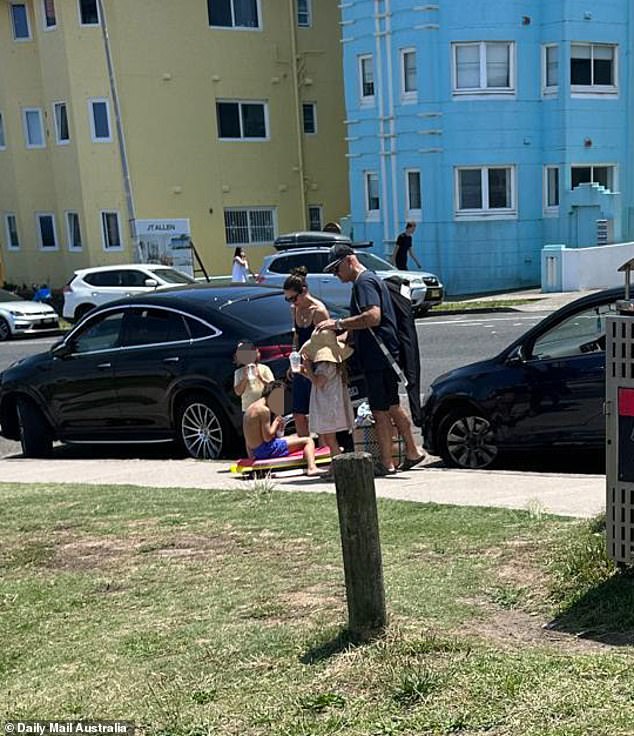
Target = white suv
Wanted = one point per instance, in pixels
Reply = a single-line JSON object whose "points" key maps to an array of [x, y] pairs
{"points": [[311, 251], [91, 287]]}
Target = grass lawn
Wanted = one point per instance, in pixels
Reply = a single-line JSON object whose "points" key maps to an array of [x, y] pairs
{"points": [[195, 612]]}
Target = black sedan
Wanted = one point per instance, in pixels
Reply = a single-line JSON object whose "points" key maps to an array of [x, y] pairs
{"points": [[544, 390], [153, 368]]}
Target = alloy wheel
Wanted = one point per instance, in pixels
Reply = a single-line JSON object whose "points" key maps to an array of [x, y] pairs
{"points": [[201, 431], [471, 442], [5, 332]]}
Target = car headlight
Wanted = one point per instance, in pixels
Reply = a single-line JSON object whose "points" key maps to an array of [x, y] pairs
{"points": [[15, 313], [431, 281]]}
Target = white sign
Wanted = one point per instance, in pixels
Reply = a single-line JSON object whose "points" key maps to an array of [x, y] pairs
{"points": [[167, 242]]}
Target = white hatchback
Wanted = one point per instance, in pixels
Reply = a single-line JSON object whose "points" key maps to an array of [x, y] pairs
{"points": [[21, 317], [91, 287]]}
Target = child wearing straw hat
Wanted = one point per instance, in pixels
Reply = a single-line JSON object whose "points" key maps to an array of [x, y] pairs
{"points": [[330, 407]]}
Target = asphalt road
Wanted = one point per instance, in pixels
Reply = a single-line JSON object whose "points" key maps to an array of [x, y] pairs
{"points": [[446, 342]]}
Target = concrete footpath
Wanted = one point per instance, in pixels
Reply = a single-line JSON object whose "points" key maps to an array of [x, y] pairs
{"points": [[563, 494]]}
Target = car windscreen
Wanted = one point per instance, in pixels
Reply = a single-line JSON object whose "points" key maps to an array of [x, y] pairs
{"points": [[173, 277], [7, 296], [374, 263]]}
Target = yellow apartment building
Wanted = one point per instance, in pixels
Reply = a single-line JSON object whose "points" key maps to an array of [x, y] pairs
{"points": [[226, 116]]}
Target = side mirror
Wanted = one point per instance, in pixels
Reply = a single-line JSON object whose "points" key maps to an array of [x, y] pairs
{"points": [[62, 349], [152, 283], [516, 356]]}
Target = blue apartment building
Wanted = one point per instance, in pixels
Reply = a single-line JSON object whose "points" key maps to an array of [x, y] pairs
{"points": [[498, 126]]}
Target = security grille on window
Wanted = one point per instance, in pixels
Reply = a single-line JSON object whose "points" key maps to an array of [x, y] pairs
{"points": [[603, 175], [309, 118], [61, 122], [551, 68], [414, 199], [110, 230], [3, 142], [314, 217], [233, 13], [241, 120], [13, 239], [409, 84], [372, 192], [366, 67], [48, 12], [46, 227], [552, 187], [483, 67], [485, 190], [74, 231], [245, 226], [303, 13], [592, 66], [89, 12], [20, 21]]}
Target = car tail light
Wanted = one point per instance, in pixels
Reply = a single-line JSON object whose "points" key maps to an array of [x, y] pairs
{"points": [[274, 352]]}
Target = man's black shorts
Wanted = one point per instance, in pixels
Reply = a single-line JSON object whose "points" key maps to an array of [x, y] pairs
{"points": [[382, 389]]}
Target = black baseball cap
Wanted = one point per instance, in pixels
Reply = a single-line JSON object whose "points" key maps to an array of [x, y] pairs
{"points": [[336, 254]]}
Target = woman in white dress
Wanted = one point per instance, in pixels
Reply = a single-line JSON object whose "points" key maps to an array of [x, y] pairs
{"points": [[330, 407], [240, 269]]}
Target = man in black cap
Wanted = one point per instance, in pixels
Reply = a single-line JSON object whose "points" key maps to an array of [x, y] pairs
{"points": [[373, 321]]}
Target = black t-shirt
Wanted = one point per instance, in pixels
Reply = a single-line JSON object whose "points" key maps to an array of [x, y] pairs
{"points": [[369, 291], [403, 246]]}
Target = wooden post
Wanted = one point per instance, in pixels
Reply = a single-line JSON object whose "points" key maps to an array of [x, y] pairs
{"points": [[360, 544]]}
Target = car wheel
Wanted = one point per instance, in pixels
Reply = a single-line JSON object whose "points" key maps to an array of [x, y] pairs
{"points": [[5, 330], [82, 310], [467, 440], [201, 429], [35, 433]]}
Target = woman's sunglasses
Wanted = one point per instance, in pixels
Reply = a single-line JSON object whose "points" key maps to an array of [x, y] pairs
{"points": [[292, 299]]}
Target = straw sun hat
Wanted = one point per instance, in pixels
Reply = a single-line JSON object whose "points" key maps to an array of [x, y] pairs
{"points": [[324, 346]]}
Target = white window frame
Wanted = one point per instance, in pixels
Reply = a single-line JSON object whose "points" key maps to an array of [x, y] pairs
{"points": [[38, 227], [482, 90], [598, 165], [3, 133], [408, 95], [233, 27], [25, 112], [243, 139], [592, 90], [553, 89], [69, 232], [102, 225], [28, 38], [46, 28], [371, 215], [91, 115], [88, 25], [314, 106], [551, 210], [58, 140], [249, 210], [320, 209], [366, 99], [415, 215], [7, 230], [309, 14], [486, 212]]}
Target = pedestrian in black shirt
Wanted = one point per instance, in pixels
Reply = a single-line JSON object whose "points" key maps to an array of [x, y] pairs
{"points": [[403, 248], [373, 322]]}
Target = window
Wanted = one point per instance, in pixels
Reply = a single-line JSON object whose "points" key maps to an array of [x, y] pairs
{"points": [[372, 202], [73, 231], [409, 85], [46, 230], [253, 225], [110, 231], [33, 127], [593, 68], [11, 228], [413, 193], [314, 217], [603, 175], [3, 142], [100, 333], [242, 120], [303, 13], [153, 326], [550, 81], [20, 21], [551, 189], [88, 13], [61, 123], [170, 276], [582, 333], [489, 190], [309, 112], [484, 67], [110, 278], [366, 73], [49, 19], [100, 121], [233, 13]]}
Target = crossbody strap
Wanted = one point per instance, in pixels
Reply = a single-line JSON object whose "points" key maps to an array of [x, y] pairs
{"points": [[382, 346]]}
